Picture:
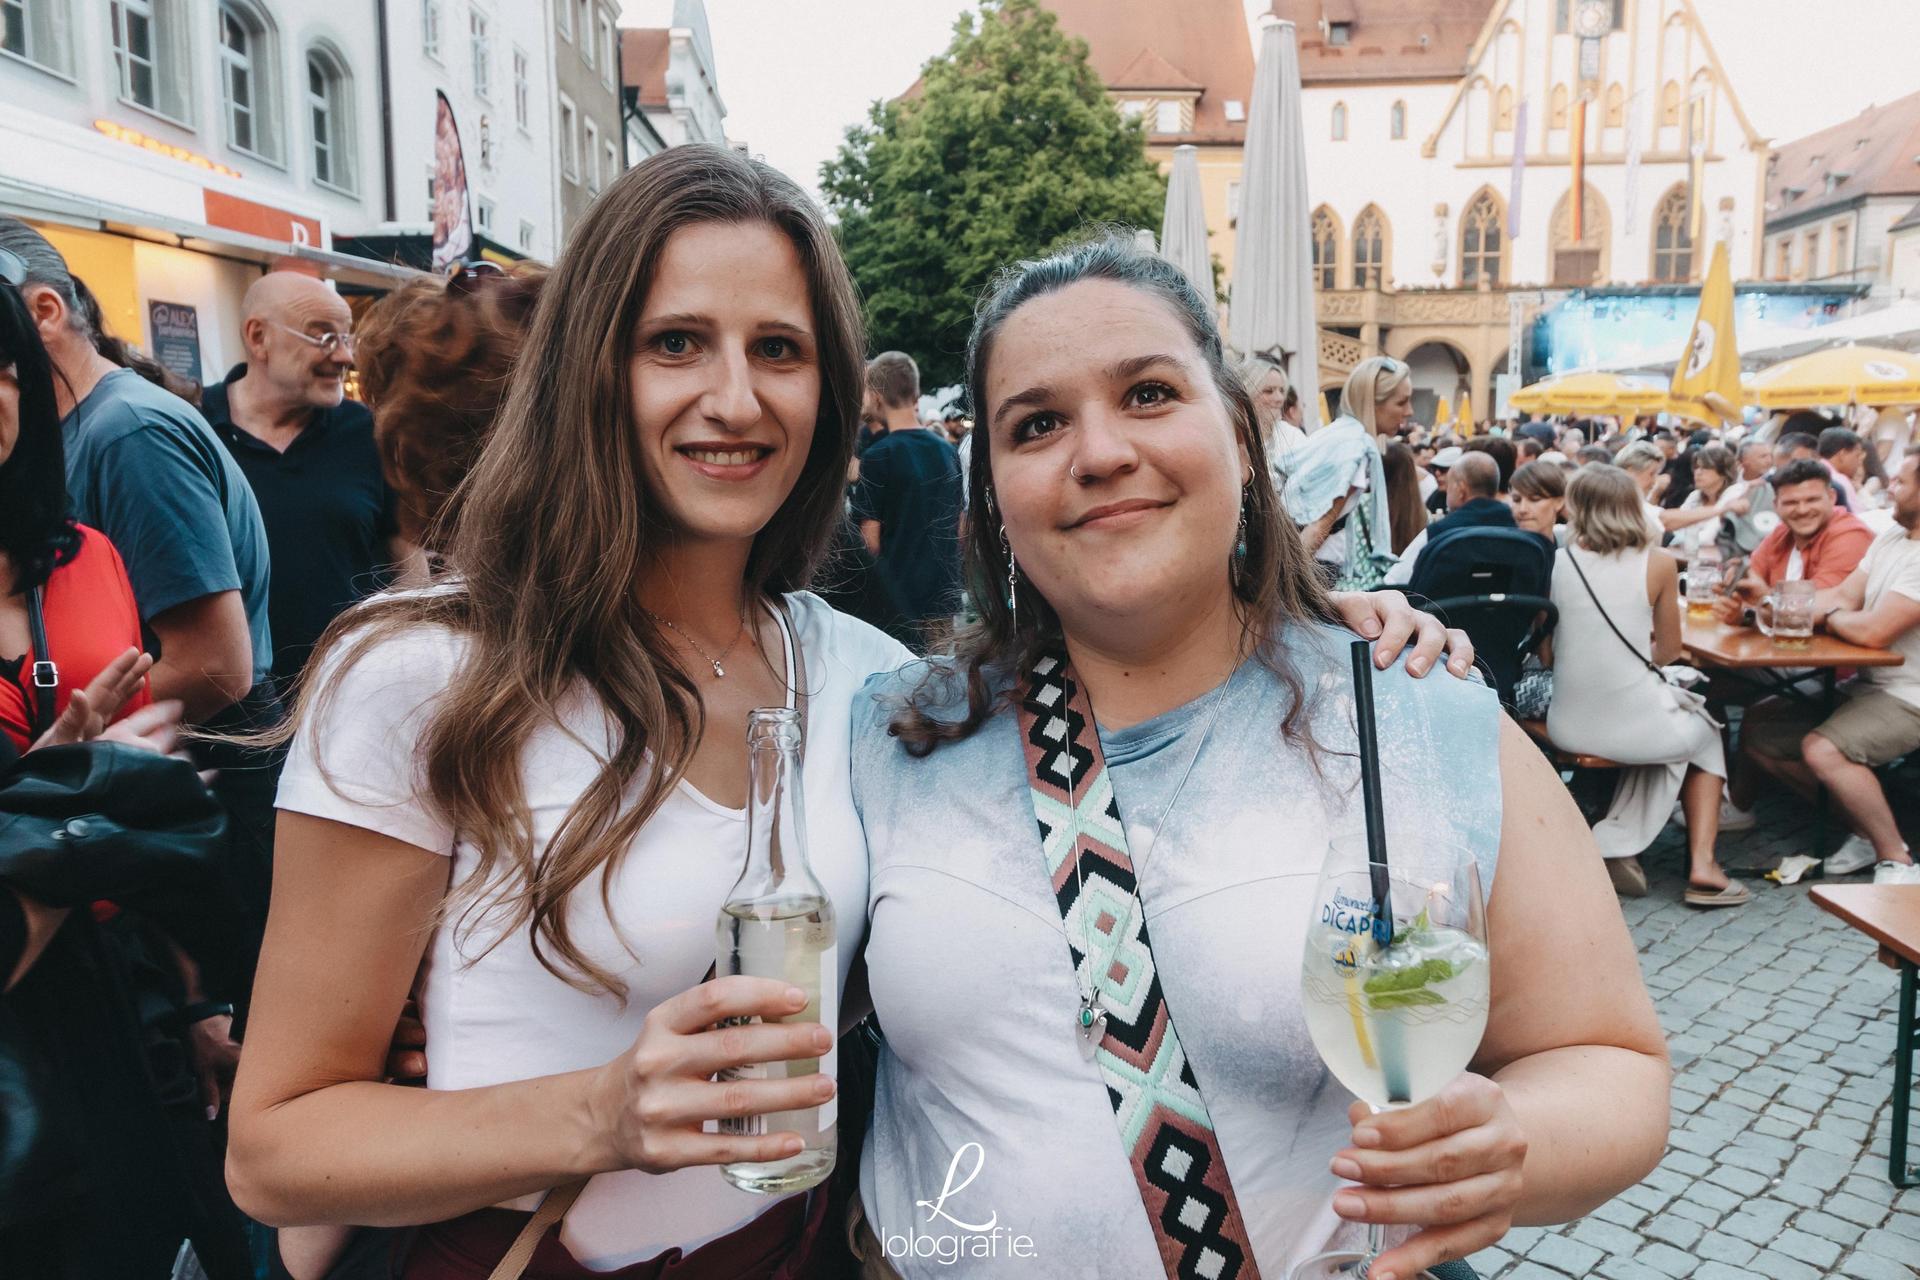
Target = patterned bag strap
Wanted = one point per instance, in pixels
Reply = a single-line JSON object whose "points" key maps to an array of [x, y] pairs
{"points": [[1164, 1126]]}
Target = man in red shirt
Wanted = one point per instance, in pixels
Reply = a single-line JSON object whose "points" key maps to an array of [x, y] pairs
{"points": [[1814, 541]]}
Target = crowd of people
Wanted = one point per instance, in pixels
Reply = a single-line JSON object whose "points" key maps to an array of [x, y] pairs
{"points": [[1627, 512], [435, 697]]}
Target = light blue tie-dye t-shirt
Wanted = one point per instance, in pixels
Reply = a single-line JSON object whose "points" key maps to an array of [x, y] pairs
{"points": [[974, 987]]}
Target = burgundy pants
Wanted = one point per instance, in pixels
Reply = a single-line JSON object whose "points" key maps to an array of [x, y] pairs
{"points": [[780, 1244]]}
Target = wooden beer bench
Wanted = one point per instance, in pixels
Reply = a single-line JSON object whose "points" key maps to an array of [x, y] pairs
{"points": [[1537, 730], [1890, 915]]}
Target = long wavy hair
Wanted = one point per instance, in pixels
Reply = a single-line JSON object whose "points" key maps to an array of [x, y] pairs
{"points": [[557, 526], [36, 532], [1275, 584]]}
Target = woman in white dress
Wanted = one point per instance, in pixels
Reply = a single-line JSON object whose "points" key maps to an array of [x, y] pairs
{"points": [[1619, 609]]}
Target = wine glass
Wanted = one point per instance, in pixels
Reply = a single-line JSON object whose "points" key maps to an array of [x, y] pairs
{"points": [[1395, 999]]}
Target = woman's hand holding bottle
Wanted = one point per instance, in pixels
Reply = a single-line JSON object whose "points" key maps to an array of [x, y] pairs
{"points": [[652, 1103]]}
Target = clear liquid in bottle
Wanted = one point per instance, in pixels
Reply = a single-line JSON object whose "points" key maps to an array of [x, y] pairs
{"points": [[778, 923]]}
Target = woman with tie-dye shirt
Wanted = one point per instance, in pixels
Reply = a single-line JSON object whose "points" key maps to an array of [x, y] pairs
{"points": [[1152, 602]]}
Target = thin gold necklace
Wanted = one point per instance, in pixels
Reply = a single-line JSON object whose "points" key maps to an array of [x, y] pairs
{"points": [[719, 672]]}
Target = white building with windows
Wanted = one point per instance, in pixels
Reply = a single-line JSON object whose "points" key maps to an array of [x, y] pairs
{"points": [[1836, 198], [670, 89], [1441, 139], [494, 61], [174, 148]]}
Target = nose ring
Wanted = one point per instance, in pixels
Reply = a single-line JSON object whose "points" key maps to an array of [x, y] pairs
{"points": [[1072, 471]]}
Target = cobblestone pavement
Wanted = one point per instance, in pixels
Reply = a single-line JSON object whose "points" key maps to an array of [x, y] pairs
{"points": [[1780, 1022]]}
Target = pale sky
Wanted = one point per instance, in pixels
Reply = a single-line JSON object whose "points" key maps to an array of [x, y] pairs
{"points": [[795, 73]]}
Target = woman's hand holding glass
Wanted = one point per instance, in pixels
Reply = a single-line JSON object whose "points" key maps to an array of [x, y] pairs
{"points": [[1452, 1165], [651, 1104]]}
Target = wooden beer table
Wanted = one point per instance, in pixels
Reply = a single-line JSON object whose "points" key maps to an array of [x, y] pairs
{"points": [[1890, 915], [1753, 656], [1746, 654]]}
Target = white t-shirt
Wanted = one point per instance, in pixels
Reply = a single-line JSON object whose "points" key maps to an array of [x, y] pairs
{"points": [[494, 1016], [1658, 529], [1699, 535], [1401, 572], [1892, 563]]}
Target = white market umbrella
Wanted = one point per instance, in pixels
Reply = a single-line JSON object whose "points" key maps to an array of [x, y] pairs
{"points": [[1183, 227], [1272, 296]]}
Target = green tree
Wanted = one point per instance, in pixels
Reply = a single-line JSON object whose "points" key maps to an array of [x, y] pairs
{"points": [[1009, 146]]}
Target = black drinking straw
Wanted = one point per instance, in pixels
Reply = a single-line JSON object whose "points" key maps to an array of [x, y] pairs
{"points": [[1370, 789]]}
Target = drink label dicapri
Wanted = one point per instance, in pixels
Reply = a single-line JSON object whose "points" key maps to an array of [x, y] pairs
{"points": [[1394, 1023]]}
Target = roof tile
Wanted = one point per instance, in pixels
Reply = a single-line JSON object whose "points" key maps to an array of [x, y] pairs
{"points": [[643, 63], [1208, 47], [1390, 39], [1877, 153]]}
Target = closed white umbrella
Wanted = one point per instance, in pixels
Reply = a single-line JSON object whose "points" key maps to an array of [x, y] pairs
{"points": [[1272, 296], [1183, 227]]}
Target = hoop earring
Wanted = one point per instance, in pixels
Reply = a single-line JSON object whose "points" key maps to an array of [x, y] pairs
{"points": [[1013, 576]]}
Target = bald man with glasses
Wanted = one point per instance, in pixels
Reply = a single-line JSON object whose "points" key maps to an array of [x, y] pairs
{"points": [[307, 451]]}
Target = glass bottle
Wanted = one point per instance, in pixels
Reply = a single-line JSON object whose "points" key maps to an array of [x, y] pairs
{"points": [[778, 923]]}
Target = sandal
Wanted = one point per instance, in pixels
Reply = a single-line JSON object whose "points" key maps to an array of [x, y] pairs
{"points": [[1628, 876], [1734, 895]]}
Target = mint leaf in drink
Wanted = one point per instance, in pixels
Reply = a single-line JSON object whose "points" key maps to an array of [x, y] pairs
{"points": [[1404, 999], [1419, 925]]}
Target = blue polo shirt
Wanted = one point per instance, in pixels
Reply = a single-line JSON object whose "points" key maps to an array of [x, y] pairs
{"points": [[144, 468]]}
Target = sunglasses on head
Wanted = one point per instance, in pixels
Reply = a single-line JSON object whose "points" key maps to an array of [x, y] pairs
{"points": [[466, 277], [13, 268]]}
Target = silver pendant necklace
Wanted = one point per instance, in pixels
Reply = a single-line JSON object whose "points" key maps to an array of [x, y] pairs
{"points": [[1090, 1024], [719, 672]]}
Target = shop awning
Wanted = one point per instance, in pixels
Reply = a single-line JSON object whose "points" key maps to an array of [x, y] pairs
{"points": [[47, 204]]}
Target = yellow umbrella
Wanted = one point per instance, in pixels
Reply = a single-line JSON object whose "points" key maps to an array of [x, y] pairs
{"points": [[1838, 375], [1443, 415], [1591, 392]]}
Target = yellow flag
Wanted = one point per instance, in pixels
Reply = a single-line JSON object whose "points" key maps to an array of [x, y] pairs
{"points": [[1443, 415], [1708, 374], [1466, 413]]}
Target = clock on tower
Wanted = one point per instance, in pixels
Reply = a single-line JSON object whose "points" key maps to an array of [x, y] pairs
{"points": [[1593, 19]]}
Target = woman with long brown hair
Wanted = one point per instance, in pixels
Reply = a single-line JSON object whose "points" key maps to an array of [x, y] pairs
{"points": [[510, 773], [1406, 510], [533, 773], [1161, 642]]}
